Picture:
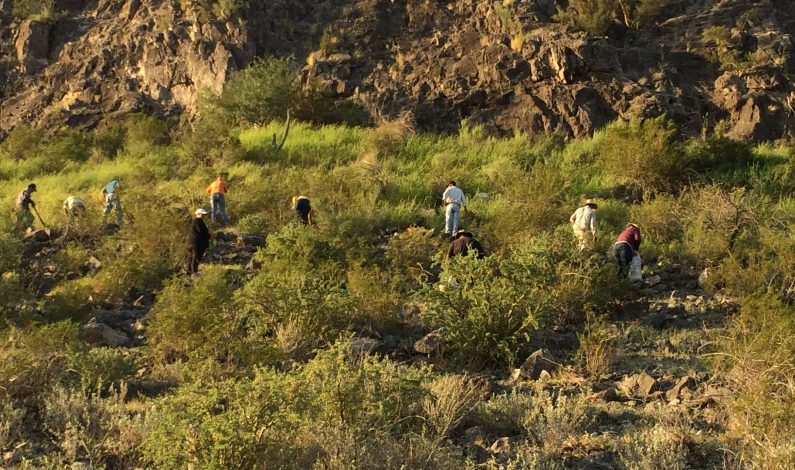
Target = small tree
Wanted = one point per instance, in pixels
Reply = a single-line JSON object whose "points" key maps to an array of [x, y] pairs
{"points": [[257, 95]]}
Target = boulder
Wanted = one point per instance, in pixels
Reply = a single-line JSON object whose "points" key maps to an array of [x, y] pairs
{"points": [[364, 345], [639, 385], [249, 239], [432, 343], [653, 280], [100, 334], [535, 364]]}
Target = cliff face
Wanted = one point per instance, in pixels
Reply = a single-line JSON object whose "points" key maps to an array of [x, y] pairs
{"points": [[104, 58], [505, 65]]}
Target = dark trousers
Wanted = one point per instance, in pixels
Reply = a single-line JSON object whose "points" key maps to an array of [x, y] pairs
{"points": [[195, 255], [622, 252]]}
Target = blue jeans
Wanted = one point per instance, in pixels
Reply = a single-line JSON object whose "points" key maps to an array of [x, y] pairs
{"points": [[218, 203], [111, 202], [452, 215], [623, 254]]}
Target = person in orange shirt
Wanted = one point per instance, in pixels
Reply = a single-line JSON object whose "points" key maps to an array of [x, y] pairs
{"points": [[217, 192]]}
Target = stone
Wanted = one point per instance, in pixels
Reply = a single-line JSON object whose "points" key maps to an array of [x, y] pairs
{"points": [[535, 364], [703, 276], [253, 265], [100, 334], [12, 456], [657, 319], [502, 445], [248, 239], [432, 343], [653, 280], [363, 345], [640, 385], [682, 384]]}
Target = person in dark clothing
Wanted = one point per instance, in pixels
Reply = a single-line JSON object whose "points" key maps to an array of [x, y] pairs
{"points": [[303, 209], [198, 242], [22, 207], [626, 247], [464, 241]]}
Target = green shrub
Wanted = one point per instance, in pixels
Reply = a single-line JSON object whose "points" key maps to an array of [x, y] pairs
{"points": [[262, 92], [643, 156], [593, 16], [253, 223], [661, 219], [759, 348], [33, 359], [101, 368], [37, 10], [294, 312], [538, 284], [718, 153], [196, 321], [144, 134], [333, 411], [91, 427], [21, 142]]}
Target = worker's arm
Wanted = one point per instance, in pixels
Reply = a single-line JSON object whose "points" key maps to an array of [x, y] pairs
{"points": [[593, 225], [309, 217], [464, 201], [209, 189]]}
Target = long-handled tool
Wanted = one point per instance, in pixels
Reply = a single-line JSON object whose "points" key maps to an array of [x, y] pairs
{"points": [[46, 228]]}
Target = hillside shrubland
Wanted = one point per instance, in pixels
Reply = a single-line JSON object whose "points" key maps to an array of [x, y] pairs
{"points": [[299, 352]]}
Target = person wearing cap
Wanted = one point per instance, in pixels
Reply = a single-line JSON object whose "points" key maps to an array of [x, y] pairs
{"points": [[583, 223], [22, 207], [454, 200], [464, 241], [111, 193], [73, 207], [217, 192], [303, 209], [198, 241], [625, 248]]}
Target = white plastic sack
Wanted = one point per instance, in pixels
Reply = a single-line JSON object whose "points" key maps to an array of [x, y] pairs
{"points": [[634, 269]]}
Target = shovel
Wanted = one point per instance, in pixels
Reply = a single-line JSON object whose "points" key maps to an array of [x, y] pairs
{"points": [[46, 228]]}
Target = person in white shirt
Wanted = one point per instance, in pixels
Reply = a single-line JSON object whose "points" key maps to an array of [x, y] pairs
{"points": [[73, 207], [583, 221], [454, 201]]}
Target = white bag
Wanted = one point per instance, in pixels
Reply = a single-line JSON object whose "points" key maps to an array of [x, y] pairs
{"points": [[634, 269]]}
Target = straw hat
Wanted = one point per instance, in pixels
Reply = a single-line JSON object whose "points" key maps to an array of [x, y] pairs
{"points": [[592, 203]]}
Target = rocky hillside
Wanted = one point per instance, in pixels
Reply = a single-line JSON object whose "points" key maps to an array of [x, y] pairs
{"points": [[507, 65]]}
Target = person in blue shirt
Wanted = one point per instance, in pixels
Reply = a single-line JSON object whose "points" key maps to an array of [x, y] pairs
{"points": [[111, 193]]}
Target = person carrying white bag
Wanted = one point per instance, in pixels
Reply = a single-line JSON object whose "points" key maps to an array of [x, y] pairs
{"points": [[625, 251]]}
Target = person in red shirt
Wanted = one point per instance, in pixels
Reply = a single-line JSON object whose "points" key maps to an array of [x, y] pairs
{"points": [[626, 247], [217, 192]]}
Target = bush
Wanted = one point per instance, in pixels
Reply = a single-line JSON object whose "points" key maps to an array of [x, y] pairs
{"points": [[94, 428], [593, 16], [34, 359], [718, 153], [144, 134], [102, 368], [196, 321], [334, 411], [37, 10], [262, 92], [537, 285], [643, 156]]}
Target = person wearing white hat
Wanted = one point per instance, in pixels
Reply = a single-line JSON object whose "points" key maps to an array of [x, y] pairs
{"points": [[583, 223], [198, 242]]}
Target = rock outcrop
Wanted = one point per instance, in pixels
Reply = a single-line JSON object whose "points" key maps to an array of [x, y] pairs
{"points": [[505, 65]]}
